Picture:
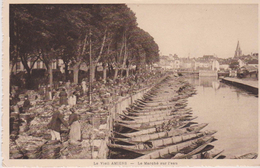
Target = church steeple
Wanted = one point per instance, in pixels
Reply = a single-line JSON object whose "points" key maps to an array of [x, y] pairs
{"points": [[238, 51]]}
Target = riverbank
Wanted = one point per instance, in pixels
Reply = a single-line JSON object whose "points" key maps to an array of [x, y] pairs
{"points": [[247, 84]]}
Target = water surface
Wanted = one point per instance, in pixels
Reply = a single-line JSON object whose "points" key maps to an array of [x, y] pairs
{"points": [[231, 111]]}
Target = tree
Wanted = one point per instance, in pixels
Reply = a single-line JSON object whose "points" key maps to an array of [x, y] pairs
{"points": [[28, 35], [234, 64]]}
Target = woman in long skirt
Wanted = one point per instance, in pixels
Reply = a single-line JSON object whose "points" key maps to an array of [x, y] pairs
{"points": [[75, 133]]}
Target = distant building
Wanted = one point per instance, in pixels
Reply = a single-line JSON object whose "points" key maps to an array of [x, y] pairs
{"points": [[177, 64], [202, 64], [253, 63], [188, 64], [238, 51], [169, 62], [224, 67], [241, 63]]}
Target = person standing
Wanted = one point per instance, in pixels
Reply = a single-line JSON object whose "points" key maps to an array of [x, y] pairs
{"points": [[72, 99], [75, 133], [63, 97], [26, 104], [55, 124], [84, 87]]}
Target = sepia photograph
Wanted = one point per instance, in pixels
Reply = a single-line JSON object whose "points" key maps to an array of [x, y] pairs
{"points": [[131, 81]]}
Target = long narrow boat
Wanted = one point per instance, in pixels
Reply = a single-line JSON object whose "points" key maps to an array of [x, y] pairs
{"points": [[147, 147], [191, 153], [156, 110], [212, 154], [152, 119], [131, 117], [165, 134], [246, 156], [207, 153], [138, 126], [172, 132], [165, 141], [147, 112], [166, 106], [160, 103], [150, 100], [174, 149]]}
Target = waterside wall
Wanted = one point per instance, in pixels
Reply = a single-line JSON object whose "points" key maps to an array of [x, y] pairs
{"points": [[115, 109]]}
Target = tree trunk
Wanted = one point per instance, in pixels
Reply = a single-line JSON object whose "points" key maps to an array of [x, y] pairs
{"points": [[92, 70], [28, 83], [50, 74], [76, 73]]}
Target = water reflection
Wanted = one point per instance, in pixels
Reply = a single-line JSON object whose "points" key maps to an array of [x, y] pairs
{"points": [[207, 81], [231, 111]]}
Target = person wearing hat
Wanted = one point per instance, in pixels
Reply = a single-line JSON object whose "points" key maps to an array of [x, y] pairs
{"points": [[75, 133], [55, 124]]}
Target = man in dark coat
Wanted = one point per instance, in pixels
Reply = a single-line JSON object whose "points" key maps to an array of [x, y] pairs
{"points": [[54, 125]]}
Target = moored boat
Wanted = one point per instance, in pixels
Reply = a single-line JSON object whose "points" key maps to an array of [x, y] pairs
{"points": [[174, 149]]}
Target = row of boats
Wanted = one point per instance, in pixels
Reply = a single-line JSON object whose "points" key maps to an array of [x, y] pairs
{"points": [[160, 126]]}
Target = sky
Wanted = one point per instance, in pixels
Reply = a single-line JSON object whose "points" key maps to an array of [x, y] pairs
{"points": [[197, 30]]}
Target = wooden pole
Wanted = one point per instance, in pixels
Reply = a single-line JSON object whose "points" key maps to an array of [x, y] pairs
{"points": [[90, 69]]}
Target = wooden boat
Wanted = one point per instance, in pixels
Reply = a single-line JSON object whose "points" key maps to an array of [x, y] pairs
{"points": [[177, 139], [132, 117], [151, 100], [148, 112], [164, 134], [142, 125], [157, 110], [200, 155], [192, 151], [159, 103], [172, 132], [159, 106], [246, 156], [212, 154], [174, 149], [147, 147], [153, 119], [220, 157], [137, 133]]}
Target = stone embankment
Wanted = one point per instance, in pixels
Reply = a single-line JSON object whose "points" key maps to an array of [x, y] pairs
{"points": [[249, 85]]}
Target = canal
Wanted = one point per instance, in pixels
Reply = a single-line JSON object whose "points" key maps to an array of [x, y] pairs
{"points": [[231, 111]]}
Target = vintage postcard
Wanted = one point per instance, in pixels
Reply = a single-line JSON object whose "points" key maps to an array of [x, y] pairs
{"points": [[130, 83]]}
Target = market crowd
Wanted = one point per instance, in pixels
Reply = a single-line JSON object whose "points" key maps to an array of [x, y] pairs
{"points": [[26, 107]]}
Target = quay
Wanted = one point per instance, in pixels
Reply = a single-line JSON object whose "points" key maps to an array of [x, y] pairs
{"points": [[249, 85]]}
